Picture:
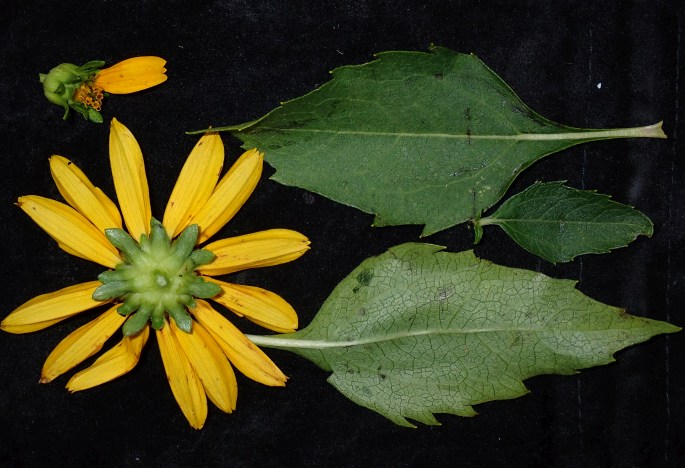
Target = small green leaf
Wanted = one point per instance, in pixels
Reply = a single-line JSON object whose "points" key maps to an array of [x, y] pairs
{"points": [[78, 107], [123, 241], [184, 243], [94, 116], [414, 138], [108, 276], [416, 331], [159, 239], [157, 319], [137, 321], [201, 257], [91, 67], [203, 289], [558, 223], [181, 317], [111, 290], [130, 304]]}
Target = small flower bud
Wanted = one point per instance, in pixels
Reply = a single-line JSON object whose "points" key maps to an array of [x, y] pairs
{"points": [[61, 84], [82, 88]]}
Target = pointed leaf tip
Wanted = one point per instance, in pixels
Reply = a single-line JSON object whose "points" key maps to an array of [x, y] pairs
{"points": [[558, 223], [453, 151], [397, 341]]}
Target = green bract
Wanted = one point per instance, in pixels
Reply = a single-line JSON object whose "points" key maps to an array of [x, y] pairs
{"points": [[157, 276]]}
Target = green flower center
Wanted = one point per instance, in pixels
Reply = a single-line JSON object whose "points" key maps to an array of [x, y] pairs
{"points": [[157, 277]]}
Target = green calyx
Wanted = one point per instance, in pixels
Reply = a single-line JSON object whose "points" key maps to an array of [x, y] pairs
{"points": [[61, 83], [156, 277]]}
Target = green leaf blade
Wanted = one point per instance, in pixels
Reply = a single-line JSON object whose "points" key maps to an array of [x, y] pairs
{"points": [[417, 331], [414, 138], [558, 223]]}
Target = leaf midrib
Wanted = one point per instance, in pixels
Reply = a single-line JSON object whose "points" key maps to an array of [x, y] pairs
{"points": [[571, 135], [272, 342], [489, 220]]}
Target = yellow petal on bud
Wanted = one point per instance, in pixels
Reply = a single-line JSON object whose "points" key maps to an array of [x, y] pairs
{"points": [[243, 354], [81, 344], [195, 184], [230, 194], [114, 363], [210, 364], [72, 231], [131, 75], [258, 305], [48, 309], [81, 194], [256, 250], [185, 385], [130, 181]]}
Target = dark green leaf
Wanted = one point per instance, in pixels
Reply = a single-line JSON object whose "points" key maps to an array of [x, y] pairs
{"points": [[415, 138], [416, 331], [558, 223]]}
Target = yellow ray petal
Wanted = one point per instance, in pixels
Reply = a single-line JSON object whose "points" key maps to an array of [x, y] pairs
{"points": [[230, 194], [114, 363], [195, 184], [185, 385], [81, 194], [81, 344], [73, 233], [130, 181], [260, 249], [69, 250], [259, 305], [131, 75], [48, 309], [210, 364], [243, 354]]}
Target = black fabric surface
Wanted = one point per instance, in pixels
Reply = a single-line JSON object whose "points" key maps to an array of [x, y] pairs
{"points": [[233, 61]]}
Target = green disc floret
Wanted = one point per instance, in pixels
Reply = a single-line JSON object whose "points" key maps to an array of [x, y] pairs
{"points": [[156, 277]]}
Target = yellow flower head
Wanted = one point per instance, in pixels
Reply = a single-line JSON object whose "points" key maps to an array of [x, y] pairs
{"points": [[157, 279], [82, 88]]}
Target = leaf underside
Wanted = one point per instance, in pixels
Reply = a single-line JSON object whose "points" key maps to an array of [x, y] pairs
{"points": [[415, 138], [558, 223], [416, 331]]}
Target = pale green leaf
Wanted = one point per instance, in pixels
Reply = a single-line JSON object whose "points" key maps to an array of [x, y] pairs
{"points": [[416, 331], [415, 138], [558, 223]]}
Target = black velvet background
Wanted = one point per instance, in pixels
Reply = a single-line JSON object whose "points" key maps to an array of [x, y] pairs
{"points": [[232, 61]]}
